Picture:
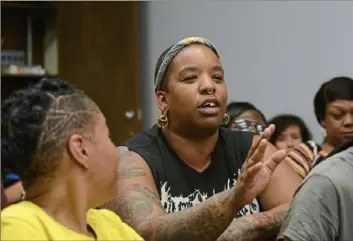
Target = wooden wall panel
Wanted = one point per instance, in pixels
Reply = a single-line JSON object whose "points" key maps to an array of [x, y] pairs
{"points": [[98, 45]]}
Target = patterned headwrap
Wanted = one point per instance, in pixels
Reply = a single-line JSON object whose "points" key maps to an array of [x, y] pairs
{"points": [[174, 50]]}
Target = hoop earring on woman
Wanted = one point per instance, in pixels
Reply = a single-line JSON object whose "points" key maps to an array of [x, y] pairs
{"points": [[226, 119], [162, 121]]}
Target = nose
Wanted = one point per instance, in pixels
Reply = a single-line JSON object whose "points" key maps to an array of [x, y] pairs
{"points": [[208, 86], [348, 120], [290, 143]]}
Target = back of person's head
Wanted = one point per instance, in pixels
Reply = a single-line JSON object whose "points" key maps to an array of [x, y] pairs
{"points": [[36, 124], [283, 122], [338, 88], [236, 109]]}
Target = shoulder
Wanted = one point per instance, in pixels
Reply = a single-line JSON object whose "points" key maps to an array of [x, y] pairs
{"points": [[143, 138], [316, 185], [24, 217], [335, 166], [104, 215], [107, 219], [24, 209], [146, 144], [315, 199]]}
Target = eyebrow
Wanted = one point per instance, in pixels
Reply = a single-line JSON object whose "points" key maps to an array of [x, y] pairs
{"points": [[194, 69], [342, 108], [218, 68]]}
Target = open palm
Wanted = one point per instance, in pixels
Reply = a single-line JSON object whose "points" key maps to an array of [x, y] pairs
{"points": [[256, 172]]}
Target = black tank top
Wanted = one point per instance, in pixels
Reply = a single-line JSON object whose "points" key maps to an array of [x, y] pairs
{"points": [[179, 185]]}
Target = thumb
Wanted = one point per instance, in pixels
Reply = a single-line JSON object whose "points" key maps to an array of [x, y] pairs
{"points": [[275, 160]]}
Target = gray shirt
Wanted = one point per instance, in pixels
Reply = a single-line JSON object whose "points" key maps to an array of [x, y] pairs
{"points": [[322, 209]]}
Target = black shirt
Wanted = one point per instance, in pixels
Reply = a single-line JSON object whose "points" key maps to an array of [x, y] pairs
{"points": [[179, 185]]}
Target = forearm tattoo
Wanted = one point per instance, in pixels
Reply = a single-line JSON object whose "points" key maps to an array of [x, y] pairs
{"points": [[260, 226], [141, 208]]}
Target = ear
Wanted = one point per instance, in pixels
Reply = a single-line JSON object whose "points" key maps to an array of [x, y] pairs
{"points": [[77, 149], [161, 100], [322, 123]]}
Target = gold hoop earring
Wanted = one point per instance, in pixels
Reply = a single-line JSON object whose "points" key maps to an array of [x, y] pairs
{"points": [[162, 121], [226, 119]]}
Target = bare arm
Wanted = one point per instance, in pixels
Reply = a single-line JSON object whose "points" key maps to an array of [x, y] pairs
{"points": [[138, 204], [262, 226]]}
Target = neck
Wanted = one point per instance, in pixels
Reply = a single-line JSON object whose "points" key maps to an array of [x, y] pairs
{"points": [[327, 147], [64, 201], [196, 153]]}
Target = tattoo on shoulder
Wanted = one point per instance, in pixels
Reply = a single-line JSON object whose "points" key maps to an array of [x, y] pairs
{"points": [[136, 204], [127, 167]]}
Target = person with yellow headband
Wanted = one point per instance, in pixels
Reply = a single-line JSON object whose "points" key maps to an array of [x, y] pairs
{"points": [[186, 178]]}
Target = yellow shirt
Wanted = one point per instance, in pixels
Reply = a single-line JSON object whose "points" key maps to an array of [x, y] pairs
{"points": [[27, 221]]}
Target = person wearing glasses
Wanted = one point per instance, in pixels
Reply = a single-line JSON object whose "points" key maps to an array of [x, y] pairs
{"points": [[244, 116]]}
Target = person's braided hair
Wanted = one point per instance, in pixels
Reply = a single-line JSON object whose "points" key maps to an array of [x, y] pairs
{"points": [[36, 124]]}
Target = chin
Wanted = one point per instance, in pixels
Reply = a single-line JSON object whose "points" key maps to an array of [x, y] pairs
{"points": [[211, 124]]}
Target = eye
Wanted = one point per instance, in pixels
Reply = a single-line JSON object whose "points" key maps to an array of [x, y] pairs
{"points": [[190, 78], [218, 77], [337, 116]]}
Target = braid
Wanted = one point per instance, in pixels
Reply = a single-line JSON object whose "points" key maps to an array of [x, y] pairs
{"points": [[37, 123]]}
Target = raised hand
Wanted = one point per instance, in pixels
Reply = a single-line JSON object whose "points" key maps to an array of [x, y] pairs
{"points": [[256, 172]]}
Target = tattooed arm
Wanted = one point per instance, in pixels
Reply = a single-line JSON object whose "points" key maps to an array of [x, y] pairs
{"points": [[260, 226], [138, 204]]}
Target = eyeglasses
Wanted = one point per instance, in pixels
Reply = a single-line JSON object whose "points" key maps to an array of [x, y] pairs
{"points": [[247, 125]]}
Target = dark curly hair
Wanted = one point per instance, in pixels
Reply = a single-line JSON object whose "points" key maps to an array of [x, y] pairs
{"points": [[338, 88], [282, 122], [36, 124]]}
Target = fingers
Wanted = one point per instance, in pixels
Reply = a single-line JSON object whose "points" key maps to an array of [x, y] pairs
{"points": [[265, 135], [259, 154], [268, 132], [275, 160], [251, 172]]}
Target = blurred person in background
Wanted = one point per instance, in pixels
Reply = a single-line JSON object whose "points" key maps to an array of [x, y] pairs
{"points": [[333, 105], [244, 116], [290, 131]]}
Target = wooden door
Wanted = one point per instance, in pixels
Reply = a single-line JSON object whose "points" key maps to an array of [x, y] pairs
{"points": [[98, 50]]}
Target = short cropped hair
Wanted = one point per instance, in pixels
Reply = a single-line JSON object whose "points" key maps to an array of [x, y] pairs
{"points": [[338, 88]]}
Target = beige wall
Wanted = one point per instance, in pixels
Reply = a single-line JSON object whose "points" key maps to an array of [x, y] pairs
{"points": [[51, 47]]}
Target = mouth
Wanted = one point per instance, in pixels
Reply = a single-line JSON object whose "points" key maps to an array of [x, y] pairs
{"points": [[348, 134], [210, 107]]}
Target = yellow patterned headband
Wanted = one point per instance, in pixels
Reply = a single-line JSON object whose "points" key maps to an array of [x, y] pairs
{"points": [[174, 50]]}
